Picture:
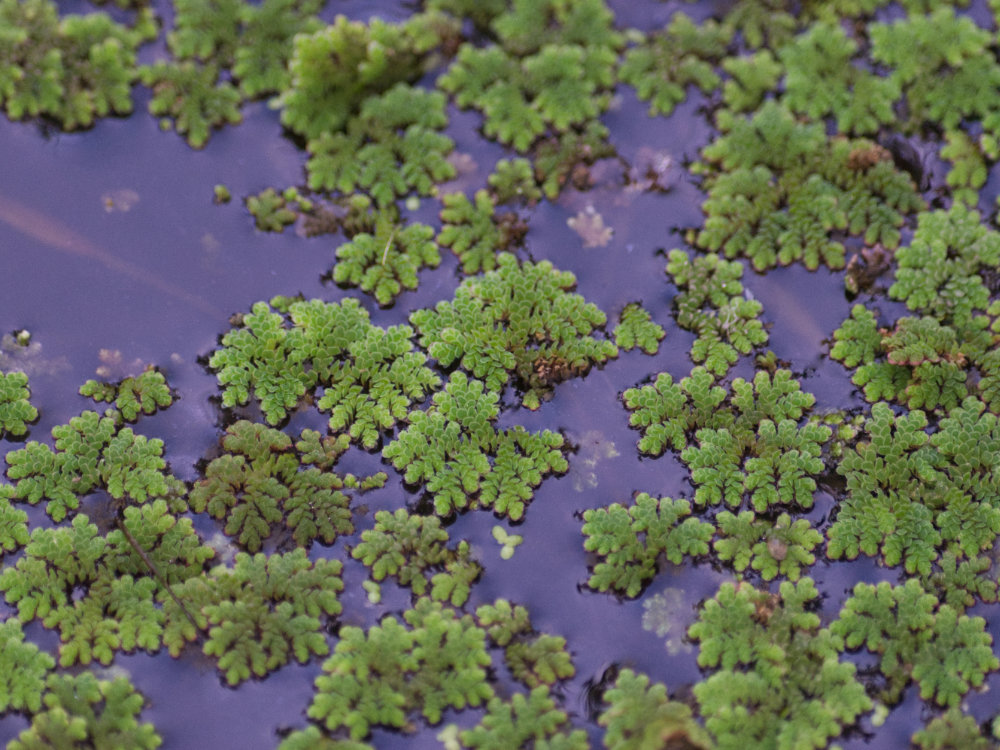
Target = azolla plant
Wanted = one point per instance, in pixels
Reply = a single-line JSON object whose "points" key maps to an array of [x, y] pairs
{"points": [[856, 135]]}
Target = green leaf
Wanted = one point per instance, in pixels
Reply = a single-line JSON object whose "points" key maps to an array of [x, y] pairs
{"points": [[24, 668], [143, 394], [193, 97], [476, 233], [636, 328], [15, 409], [525, 719]]}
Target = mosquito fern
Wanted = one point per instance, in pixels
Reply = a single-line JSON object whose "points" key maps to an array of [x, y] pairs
{"points": [[191, 98], [132, 396], [520, 319], [16, 410], [462, 459], [525, 720], [636, 329], [476, 232], [918, 639], [24, 670], [781, 548]]}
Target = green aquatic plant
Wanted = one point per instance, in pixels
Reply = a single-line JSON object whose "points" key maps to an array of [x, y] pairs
{"points": [[778, 189], [378, 677], [533, 658], [392, 147], [959, 583], [782, 547], [530, 720], [91, 453], [13, 522], [712, 303], [16, 410], [387, 261], [462, 460], [335, 69], [24, 669], [969, 169], [755, 446], [821, 81], [191, 98], [414, 550], [72, 69], [81, 710], [917, 638], [953, 730], [777, 680], [566, 157], [636, 329], [521, 320], [476, 232], [260, 481], [628, 541], [271, 211], [99, 591], [751, 78], [508, 542], [257, 614], [143, 394], [665, 63], [640, 716], [514, 180]]}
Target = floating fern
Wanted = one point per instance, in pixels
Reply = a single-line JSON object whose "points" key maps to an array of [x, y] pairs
{"points": [[15, 409], [531, 720], [132, 396], [636, 329], [24, 669]]}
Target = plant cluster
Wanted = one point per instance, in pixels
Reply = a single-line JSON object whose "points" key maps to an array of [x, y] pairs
{"points": [[521, 320], [145, 393], [16, 410], [534, 659], [636, 328], [475, 231]]}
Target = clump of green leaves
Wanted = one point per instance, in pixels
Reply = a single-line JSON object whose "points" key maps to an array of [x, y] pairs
{"points": [[944, 652], [98, 591], [73, 69], [132, 396], [411, 548], [371, 375], [462, 460], [260, 481], [191, 98], [23, 669], [778, 189], [636, 329], [667, 62], [91, 453], [258, 614], [640, 716], [777, 680], [530, 720], [15, 408], [533, 658], [755, 446], [336, 68], [628, 541], [272, 212], [378, 677], [780, 547], [520, 319], [392, 147], [711, 302], [953, 730], [82, 711], [476, 232], [386, 262], [908, 492]]}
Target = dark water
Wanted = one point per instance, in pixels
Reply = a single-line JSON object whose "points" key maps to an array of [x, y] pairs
{"points": [[158, 281]]}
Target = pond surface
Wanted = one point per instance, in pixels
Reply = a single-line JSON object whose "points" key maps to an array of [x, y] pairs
{"points": [[115, 256]]}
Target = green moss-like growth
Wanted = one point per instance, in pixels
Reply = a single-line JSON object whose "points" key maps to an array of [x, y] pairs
{"points": [[711, 302], [13, 522], [378, 677], [918, 639], [98, 591], [73, 69], [132, 396], [386, 262], [777, 679], [15, 409], [755, 446], [258, 614], [667, 62], [260, 481], [520, 319], [23, 669], [530, 720], [533, 658], [191, 98], [476, 232], [92, 452], [411, 548], [778, 189], [628, 541], [781, 547], [636, 329], [336, 68], [639, 716], [82, 711], [393, 147], [953, 730], [462, 460]]}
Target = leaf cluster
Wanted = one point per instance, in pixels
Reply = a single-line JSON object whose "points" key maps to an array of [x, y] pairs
{"points": [[780, 547], [462, 460], [132, 396], [778, 190], [260, 481], [628, 541], [533, 659], [520, 319], [530, 720], [636, 329], [16, 410], [475, 231], [917, 638], [258, 614], [379, 676], [777, 679], [711, 303], [411, 548], [191, 99]]}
